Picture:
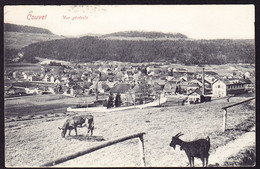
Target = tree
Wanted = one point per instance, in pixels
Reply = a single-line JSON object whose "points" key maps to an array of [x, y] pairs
{"points": [[110, 102], [118, 100]]}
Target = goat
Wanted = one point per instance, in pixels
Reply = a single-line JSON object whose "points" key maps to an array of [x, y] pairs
{"points": [[198, 148], [78, 121]]}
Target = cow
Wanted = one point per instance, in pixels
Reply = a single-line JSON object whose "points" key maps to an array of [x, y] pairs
{"points": [[78, 121]]}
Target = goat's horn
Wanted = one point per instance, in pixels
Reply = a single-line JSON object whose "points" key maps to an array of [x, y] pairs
{"points": [[180, 134], [177, 134]]}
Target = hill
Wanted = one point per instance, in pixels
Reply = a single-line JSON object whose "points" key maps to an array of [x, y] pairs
{"points": [[17, 37], [18, 40], [24, 29], [149, 35]]}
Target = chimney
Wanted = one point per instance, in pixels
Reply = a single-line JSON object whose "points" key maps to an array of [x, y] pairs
{"points": [[203, 82]]}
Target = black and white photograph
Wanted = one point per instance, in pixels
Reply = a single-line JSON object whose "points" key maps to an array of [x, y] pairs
{"points": [[129, 85]]}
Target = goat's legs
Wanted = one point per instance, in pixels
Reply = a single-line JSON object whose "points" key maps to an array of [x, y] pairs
{"points": [[207, 159], [203, 161], [189, 157]]}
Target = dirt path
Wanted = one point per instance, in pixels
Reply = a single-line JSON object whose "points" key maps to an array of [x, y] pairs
{"points": [[221, 155]]}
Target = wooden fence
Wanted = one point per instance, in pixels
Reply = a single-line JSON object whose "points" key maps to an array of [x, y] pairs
{"points": [[89, 150], [225, 112]]}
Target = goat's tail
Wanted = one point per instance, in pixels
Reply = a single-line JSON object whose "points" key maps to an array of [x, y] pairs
{"points": [[208, 139]]}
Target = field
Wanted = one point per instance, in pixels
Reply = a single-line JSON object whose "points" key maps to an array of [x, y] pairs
{"points": [[40, 105], [34, 142]]}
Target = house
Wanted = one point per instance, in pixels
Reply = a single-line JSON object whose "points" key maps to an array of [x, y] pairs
{"points": [[64, 79], [76, 90], [194, 97], [47, 78], [223, 88], [79, 82], [33, 78], [170, 87], [250, 86], [118, 76], [182, 87], [192, 87], [71, 83], [57, 81], [247, 75], [126, 93], [52, 79]]}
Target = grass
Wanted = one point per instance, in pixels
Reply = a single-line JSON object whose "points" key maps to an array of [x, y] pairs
{"points": [[159, 123]]}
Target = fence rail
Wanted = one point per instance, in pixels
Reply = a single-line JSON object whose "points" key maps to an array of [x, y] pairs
{"points": [[225, 112], [89, 150], [237, 103]]}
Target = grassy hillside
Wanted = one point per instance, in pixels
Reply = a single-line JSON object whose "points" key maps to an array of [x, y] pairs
{"points": [[184, 51], [28, 142], [18, 40]]}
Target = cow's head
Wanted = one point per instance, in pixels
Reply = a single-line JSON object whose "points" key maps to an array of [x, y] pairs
{"points": [[63, 132], [175, 140]]}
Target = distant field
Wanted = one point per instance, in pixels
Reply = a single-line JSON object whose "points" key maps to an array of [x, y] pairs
{"points": [[18, 40], [223, 69], [41, 104], [23, 67]]}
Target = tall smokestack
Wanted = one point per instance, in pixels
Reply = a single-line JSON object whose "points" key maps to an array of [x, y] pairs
{"points": [[203, 82]]}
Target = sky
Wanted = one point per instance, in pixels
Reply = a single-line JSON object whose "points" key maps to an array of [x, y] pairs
{"points": [[195, 21]]}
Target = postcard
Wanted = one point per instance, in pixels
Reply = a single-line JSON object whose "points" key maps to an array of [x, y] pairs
{"points": [[129, 85]]}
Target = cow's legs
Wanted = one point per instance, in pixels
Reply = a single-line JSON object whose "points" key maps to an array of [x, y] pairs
{"points": [[91, 132], [76, 131], [69, 132], [90, 127]]}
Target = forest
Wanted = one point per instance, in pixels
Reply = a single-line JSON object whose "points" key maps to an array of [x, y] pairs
{"points": [[185, 51]]}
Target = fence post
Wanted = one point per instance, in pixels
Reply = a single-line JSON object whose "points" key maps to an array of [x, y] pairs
{"points": [[142, 155], [224, 119]]}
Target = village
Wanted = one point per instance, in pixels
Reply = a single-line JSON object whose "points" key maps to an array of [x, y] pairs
{"points": [[134, 83]]}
